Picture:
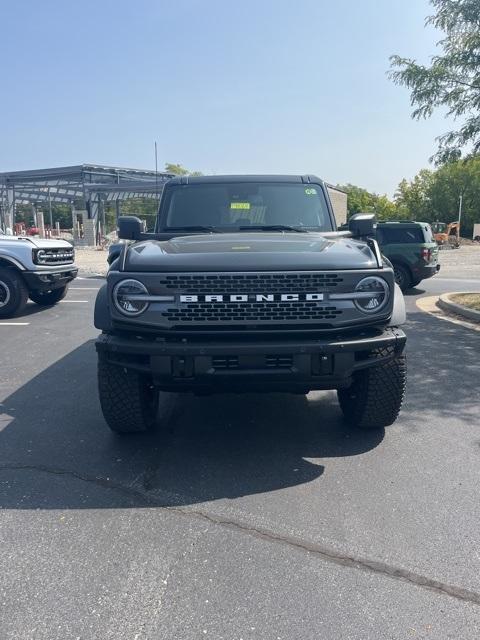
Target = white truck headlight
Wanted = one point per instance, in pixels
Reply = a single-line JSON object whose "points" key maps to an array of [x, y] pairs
{"points": [[371, 294], [130, 297]]}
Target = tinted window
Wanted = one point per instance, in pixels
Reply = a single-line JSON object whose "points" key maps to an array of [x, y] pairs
{"points": [[400, 235], [230, 206]]}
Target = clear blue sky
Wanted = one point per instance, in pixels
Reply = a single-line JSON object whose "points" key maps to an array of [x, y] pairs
{"points": [[260, 86]]}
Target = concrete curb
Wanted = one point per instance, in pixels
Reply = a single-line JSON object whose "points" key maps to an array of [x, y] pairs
{"points": [[446, 304]]}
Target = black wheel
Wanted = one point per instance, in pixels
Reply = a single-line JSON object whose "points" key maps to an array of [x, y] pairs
{"points": [[13, 293], [128, 399], [375, 397], [50, 297], [402, 277]]}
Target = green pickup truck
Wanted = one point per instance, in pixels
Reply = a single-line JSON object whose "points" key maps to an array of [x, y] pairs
{"points": [[412, 250]]}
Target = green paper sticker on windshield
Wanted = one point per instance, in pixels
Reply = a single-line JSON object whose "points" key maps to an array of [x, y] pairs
{"points": [[240, 205], [310, 191]]}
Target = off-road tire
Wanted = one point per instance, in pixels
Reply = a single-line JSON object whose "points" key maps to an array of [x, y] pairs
{"points": [[129, 401], [49, 298], [374, 399], [13, 293], [402, 277]]}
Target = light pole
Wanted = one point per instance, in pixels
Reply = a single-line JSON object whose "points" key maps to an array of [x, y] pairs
{"points": [[50, 210]]}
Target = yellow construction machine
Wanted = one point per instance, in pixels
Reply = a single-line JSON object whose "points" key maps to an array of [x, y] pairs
{"points": [[447, 235]]}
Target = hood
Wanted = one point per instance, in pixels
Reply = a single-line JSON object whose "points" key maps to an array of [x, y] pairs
{"points": [[276, 251], [39, 243]]}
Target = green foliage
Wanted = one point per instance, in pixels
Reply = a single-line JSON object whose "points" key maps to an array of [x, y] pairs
{"points": [[413, 197], [60, 213], [452, 80], [434, 195], [180, 170], [430, 196], [359, 200], [362, 201]]}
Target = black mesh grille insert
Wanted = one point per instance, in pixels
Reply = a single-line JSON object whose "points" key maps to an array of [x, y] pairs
{"points": [[251, 283], [252, 312], [225, 362], [279, 362], [253, 362]]}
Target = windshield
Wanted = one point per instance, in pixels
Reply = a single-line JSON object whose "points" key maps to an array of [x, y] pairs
{"points": [[245, 206]]}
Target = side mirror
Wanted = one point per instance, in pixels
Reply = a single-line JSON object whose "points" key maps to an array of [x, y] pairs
{"points": [[130, 228], [362, 225]]}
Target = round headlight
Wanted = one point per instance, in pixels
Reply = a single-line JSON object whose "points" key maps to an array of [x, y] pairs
{"points": [[127, 296], [374, 293], [41, 255]]}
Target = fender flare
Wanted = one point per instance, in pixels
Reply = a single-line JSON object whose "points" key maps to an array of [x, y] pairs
{"points": [[102, 319], [399, 314], [13, 261]]}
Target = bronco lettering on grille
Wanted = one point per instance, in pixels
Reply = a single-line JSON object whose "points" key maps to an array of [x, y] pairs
{"points": [[253, 297]]}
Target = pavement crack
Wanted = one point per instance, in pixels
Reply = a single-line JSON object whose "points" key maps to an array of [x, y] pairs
{"points": [[105, 483], [364, 564]]}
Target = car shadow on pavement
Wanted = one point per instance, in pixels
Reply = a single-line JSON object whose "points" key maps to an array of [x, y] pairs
{"points": [[443, 372], [31, 309], [57, 453], [414, 291]]}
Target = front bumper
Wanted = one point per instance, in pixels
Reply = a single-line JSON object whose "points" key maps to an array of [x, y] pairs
{"points": [[49, 280], [288, 365]]}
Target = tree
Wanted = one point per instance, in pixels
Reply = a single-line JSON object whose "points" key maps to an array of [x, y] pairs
{"points": [[435, 195], [362, 201], [359, 199], [179, 170], [413, 198], [452, 80]]}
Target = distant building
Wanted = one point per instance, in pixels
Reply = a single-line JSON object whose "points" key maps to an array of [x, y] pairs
{"points": [[339, 203]]}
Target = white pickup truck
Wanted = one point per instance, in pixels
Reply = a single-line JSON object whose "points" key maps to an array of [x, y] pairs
{"points": [[33, 268]]}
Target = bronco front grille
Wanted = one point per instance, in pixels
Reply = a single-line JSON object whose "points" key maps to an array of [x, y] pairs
{"points": [[55, 256], [252, 312], [251, 283]]}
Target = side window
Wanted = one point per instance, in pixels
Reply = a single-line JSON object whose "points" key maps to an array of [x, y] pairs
{"points": [[405, 235], [428, 233]]}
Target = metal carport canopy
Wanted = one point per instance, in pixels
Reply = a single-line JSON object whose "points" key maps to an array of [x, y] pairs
{"points": [[88, 183]]}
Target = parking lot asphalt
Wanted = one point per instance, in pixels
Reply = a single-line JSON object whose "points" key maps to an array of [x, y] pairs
{"points": [[253, 517]]}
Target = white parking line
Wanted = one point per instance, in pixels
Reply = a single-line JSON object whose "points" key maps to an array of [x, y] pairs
{"points": [[468, 281], [14, 324]]}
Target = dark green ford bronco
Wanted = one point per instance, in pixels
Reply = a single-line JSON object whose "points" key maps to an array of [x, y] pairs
{"points": [[412, 250], [246, 285]]}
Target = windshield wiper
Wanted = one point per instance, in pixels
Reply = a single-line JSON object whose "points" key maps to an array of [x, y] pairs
{"points": [[271, 227], [193, 228]]}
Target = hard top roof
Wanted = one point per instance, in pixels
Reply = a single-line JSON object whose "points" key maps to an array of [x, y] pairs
{"points": [[404, 223], [306, 179]]}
